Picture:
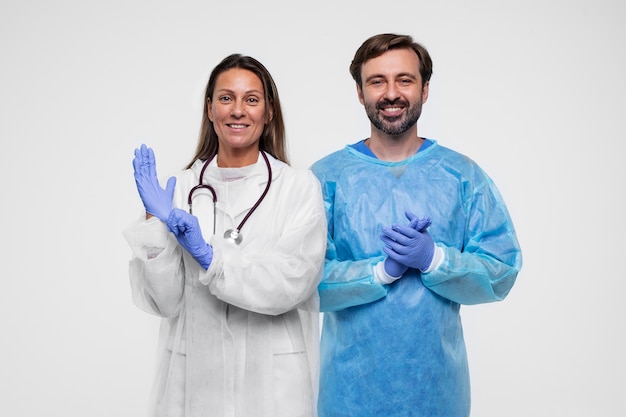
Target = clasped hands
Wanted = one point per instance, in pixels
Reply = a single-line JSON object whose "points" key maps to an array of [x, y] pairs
{"points": [[158, 202], [408, 246]]}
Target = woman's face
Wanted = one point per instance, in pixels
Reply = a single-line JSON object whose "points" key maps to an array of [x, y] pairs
{"points": [[237, 110]]}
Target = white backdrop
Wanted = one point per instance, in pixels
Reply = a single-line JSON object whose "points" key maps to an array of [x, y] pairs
{"points": [[534, 91]]}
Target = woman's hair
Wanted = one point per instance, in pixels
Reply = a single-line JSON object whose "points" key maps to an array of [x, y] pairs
{"points": [[272, 139], [379, 44]]}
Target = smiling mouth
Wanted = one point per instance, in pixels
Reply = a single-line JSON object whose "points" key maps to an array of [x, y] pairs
{"points": [[391, 113], [236, 126], [391, 109]]}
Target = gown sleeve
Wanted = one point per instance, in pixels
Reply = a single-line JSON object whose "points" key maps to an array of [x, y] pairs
{"points": [[156, 268], [346, 283], [485, 268]]}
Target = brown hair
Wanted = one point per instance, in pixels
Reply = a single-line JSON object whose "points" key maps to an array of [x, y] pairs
{"points": [[377, 45], [272, 139]]}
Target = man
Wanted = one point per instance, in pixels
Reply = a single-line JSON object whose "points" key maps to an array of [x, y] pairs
{"points": [[414, 231]]}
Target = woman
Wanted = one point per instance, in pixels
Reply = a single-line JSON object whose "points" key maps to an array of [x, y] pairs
{"points": [[230, 254]]}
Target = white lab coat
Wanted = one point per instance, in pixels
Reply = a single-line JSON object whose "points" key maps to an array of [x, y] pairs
{"points": [[240, 339]]}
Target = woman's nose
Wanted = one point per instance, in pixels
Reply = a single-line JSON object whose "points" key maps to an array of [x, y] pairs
{"points": [[238, 109]]}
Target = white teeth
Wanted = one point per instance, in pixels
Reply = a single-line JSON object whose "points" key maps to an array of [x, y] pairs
{"points": [[237, 126], [393, 109]]}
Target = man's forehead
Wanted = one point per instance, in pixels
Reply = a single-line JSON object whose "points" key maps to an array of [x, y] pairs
{"points": [[394, 63]]}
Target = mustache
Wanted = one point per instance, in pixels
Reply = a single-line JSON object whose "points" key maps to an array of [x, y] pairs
{"points": [[386, 103]]}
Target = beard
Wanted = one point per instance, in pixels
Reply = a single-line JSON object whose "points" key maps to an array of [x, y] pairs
{"points": [[394, 126]]}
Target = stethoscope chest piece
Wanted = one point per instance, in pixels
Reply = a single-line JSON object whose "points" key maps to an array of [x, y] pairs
{"points": [[234, 236]]}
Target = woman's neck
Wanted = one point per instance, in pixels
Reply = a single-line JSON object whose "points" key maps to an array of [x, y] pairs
{"points": [[236, 158]]}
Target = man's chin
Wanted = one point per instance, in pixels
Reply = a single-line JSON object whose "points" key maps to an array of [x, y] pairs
{"points": [[392, 130]]}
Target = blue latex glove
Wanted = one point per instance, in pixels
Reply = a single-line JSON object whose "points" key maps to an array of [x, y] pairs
{"points": [[395, 268], [187, 231], [408, 246], [156, 200]]}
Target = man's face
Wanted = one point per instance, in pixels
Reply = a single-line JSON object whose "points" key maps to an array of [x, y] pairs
{"points": [[392, 91]]}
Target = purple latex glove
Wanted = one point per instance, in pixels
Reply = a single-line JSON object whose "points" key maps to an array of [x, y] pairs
{"points": [[187, 231], [156, 200], [408, 246], [394, 268]]}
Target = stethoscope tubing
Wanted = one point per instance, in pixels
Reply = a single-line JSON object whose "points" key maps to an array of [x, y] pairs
{"points": [[214, 194]]}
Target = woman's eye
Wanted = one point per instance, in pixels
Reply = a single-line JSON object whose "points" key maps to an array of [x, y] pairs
{"points": [[253, 100]]}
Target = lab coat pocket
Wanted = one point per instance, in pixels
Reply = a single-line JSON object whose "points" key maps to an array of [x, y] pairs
{"points": [[172, 379], [292, 381], [171, 402], [292, 385]]}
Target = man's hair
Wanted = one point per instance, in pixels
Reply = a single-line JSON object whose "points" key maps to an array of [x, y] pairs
{"points": [[377, 45]]}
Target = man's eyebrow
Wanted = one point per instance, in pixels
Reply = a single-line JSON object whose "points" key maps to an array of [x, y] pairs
{"points": [[400, 75]]}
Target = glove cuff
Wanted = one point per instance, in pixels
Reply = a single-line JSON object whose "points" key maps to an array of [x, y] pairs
{"points": [[438, 257], [381, 276], [205, 256]]}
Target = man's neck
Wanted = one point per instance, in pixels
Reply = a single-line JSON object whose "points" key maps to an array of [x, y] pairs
{"points": [[394, 148]]}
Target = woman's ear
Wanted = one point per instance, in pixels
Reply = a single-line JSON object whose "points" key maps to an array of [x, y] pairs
{"points": [[270, 115], [209, 110]]}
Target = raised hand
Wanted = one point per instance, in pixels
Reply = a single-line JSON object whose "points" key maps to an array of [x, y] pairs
{"points": [[156, 200]]}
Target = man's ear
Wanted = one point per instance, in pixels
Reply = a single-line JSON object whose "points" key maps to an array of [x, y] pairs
{"points": [[425, 91], [359, 92]]}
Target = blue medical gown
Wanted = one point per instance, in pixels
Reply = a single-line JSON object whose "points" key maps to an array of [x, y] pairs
{"points": [[398, 350]]}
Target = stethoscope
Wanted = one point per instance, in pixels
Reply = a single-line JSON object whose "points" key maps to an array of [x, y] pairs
{"points": [[233, 235]]}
